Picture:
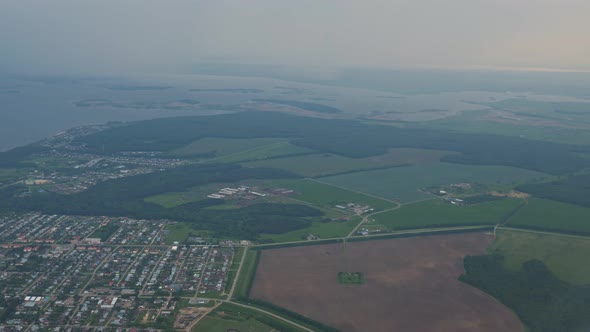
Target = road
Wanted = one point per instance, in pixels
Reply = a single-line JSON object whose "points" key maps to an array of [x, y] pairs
{"points": [[196, 321], [231, 294], [273, 315], [366, 218], [236, 277], [354, 191], [411, 231]]}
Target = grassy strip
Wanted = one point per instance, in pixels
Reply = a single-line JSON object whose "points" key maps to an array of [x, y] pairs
{"points": [[247, 274], [238, 313], [548, 230], [233, 270], [411, 233], [295, 244], [298, 318], [424, 233]]}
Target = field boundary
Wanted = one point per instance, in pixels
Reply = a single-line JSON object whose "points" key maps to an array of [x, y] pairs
{"points": [[543, 231], [359, 170], [246, 277], [356, 191], [509, 215], [423, 232], [400, 234]]}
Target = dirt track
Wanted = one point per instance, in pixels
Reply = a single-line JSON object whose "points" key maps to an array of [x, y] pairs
{"points": [[410, 285]]}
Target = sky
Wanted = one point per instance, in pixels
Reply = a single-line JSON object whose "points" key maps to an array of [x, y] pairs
{"points": [[115, 36]]}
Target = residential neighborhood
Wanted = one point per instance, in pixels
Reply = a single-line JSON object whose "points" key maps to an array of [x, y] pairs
{"points": [[71, 272]]}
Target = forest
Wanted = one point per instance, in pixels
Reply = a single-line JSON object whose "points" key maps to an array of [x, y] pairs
{"points": [[543, 302], [14, 158], [348, 138], [124, 197], [574, 189]]}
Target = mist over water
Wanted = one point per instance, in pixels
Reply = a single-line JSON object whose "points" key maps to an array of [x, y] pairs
{"points": [[34, 107]]}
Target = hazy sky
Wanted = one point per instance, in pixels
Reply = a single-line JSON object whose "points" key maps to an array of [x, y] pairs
{"points": [[110, 36]]}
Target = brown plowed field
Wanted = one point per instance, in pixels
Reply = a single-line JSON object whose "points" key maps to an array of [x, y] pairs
{"points": [[410, 285]]}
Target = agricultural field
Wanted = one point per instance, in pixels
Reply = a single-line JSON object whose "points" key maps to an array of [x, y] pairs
{"points": [[438, 213], [273, 150], [217, 147], [9, 174], [403, 184], [317, 165], [564, 256], [328, 196], [323, 230], [410, 284], [554, 216]]}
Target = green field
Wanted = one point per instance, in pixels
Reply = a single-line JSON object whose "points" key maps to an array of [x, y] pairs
{"points": [[273, 150], [328, 196], [194, 194], [225, 323], [247, 274], [404, 183], [181, 231], [230, 316], [316, 165], [9, 174], [322, 229], [235, 265], [222, 146], [439, 213], [566, 257], [104, 232], [552, 215]]}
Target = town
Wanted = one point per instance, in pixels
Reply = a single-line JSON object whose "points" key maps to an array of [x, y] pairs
{"points": [[68, 271], [66, 166]]}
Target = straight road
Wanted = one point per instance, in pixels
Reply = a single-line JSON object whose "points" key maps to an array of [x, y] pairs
{"points": [[411, 231], [237, 276]]}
